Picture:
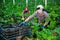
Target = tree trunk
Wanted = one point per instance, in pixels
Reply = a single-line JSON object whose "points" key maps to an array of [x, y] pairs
{"points": [[13, 2]]}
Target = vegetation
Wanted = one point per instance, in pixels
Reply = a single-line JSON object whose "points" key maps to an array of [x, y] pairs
{"points": [[10, 13]]}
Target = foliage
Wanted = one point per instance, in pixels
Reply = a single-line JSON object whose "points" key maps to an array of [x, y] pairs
{"points": [[10, 13]]}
